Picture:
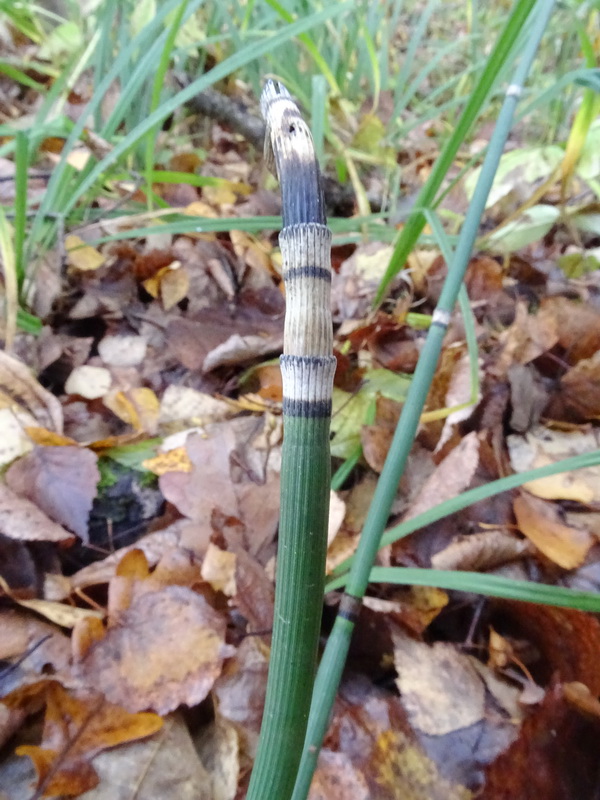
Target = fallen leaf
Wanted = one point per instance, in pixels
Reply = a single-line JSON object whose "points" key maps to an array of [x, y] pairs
{"points": [[76, 728], [122, 351], [166, 649], [567, 641], [439, 687], [89, 382], [175, 460], [580, 388], [527, 338], [174, 287], [23, 520], [166, 767], [138, 407], [81, 256], [542, 446], [370, 727], [218, 569], [62, 481], [451, 477], [196, 494], [219, 750], [240, 691], [46, 438], [183, 404], [540, 521], [63, 615], [577, 325], [153, 545], [20, 390], [481, 551]]}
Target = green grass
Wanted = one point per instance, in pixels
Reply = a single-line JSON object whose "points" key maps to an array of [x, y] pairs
{"points": [[428, 58]]}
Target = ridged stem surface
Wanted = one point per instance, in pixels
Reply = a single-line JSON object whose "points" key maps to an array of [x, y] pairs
{"points": [[307, 368]]}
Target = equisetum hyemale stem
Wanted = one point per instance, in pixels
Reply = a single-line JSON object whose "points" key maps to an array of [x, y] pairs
{"points": [[307, 368]]}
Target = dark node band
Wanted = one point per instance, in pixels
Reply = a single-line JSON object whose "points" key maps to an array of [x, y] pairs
{"points": [[307, 361], [308, 409], [307, 272], [349, 607]]}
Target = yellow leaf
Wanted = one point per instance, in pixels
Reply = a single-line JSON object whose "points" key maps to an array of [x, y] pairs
{"points": [[46, 438], [174, 286], [138, 407], [176, 460], [82, 256], [539, 521]]}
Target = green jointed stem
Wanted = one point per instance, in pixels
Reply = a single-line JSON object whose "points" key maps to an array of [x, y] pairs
{"points": [[307, 368], [332, 662]]}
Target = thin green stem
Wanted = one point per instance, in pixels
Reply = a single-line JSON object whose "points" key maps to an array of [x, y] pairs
{"points": [[337, 647]]}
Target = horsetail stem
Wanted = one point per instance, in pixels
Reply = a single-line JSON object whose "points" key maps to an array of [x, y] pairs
{"points": [[307, 368]]}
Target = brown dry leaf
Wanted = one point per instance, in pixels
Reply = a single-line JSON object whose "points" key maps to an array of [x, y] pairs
{"points": [[20, 390], [376, 438], [528, 337], [61, 481], [196, 494], [252, 251], [218, 569], [138, 407], [23, 520], [481, 551], [76, 728], [153, 545], [540, 521], [577, 325], [354, 286], [239, 691], [542, 446], [166, 649], [439, 687], [451, 477], [81, 256], [166, 767], [175, 460], [63, 615], [580, 388]]}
